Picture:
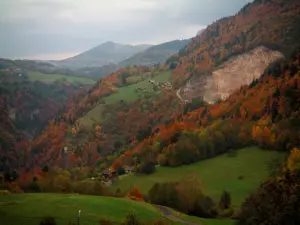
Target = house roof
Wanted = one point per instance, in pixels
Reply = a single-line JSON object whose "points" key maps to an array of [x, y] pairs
{"points": [[106, 172], [128, 167]]}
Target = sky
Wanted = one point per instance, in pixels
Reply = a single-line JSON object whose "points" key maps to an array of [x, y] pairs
{"points": [[57, 29]]}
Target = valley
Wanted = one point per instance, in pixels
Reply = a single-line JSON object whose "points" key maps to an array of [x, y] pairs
{"points": [[195, 131]]}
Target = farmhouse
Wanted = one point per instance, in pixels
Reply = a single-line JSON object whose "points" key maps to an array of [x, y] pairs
{"points": [[129, 169], [109, 174]]}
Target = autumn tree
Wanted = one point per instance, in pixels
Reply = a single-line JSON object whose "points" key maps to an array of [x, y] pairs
{"points": [[293, 162], [135, 194]]}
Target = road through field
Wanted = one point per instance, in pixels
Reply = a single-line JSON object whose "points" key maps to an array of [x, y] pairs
{"points": [[169, 215]]}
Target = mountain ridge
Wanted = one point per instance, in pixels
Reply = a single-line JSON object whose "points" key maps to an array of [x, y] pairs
{"points": [[105, 53], [157, 54]]}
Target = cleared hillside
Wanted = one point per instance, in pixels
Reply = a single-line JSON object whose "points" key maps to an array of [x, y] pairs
{"points": [[217, 174]]}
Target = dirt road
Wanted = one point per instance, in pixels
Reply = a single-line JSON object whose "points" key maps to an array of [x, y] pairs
{"points": [[169, 214]]}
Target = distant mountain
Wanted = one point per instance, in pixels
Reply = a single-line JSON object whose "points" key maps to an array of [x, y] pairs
{"points": [[106, 53], [156, 54]]}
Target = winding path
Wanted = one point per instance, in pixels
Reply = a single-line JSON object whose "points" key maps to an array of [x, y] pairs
{"points": [[169, 215], [178, 95]]}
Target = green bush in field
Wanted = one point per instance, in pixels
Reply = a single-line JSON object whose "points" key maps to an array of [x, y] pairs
{"points": [[4, 192]]}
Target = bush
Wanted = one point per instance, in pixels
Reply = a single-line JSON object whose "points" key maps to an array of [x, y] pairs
{"points": [[241, 177], [121, 171], [119, 193], [225, 200], [226, 213], [132, 219], [104, 221], [48, 221], [204, 207], [159, 222], [135, 194], [147, 167], [4, 192]]}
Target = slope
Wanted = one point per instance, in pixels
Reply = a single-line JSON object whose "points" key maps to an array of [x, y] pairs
{"points": [[155, 54], [27, 104], [213, 175], [108, 52], [127, 124], [31, 208], [271, 23]]}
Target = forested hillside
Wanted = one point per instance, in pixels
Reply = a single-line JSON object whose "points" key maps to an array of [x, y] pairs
{"points": [[149, 115], [27, 106], [272, 23], [266, 114], [135, 119]]}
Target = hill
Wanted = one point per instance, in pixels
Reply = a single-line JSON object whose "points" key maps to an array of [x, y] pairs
{"points": [[31, 208], [213, 175], [106, 53], [157, 54], [28, 99], [154, 115], [270, 23], [232, 74]]}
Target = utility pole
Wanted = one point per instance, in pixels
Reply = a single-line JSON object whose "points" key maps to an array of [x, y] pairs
{"points": [[79, 211]]}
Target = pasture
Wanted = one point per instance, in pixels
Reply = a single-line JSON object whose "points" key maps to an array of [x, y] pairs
{"points": [[50, 78], [240, 175], [28, 209], [129, 93]]}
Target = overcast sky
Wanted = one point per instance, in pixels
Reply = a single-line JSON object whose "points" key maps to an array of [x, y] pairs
{"points": [[55, 29]]}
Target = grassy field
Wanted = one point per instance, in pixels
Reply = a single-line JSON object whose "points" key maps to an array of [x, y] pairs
{"points": [[27, 209], [217, 174], [50, 78], [128, 93]]}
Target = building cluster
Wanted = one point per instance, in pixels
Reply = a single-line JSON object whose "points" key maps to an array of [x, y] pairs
{"points": [[165, 85], [110, 175]]}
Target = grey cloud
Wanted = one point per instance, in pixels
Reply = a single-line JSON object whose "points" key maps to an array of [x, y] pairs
{"points": [[35, 27]]}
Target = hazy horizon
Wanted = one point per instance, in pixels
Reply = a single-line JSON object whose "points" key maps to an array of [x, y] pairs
{"points": [[57, 29]]}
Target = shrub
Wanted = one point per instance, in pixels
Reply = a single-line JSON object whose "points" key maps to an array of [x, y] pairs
{"points": [[48, 221], [4, 192], [119, 193], [135, 194], [104, 221], [226, 213], [159, 222], [225, 200], [132, 219], [241, 177], [147, 167]]}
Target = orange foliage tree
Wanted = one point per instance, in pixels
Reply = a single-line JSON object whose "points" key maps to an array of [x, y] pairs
{"points": [[135, 194]]}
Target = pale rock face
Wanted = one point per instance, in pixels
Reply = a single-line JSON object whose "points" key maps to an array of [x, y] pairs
{"points": [[236, 72], [241, 70]]}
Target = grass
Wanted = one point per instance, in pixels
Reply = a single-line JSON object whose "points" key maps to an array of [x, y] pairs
{"points": [[27, 209], [93, 116], [128, 93], [50, 78], [217, 174]]}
